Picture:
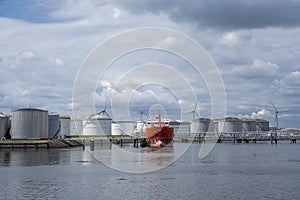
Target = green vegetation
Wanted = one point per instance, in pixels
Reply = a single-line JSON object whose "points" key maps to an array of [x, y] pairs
{"points": [[99, 136], [23, 141]]}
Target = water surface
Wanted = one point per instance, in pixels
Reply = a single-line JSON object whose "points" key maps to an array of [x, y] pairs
{"points": [[240, 171]]}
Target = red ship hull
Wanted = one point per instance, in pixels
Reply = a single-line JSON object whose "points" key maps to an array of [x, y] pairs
{"points": [[159, 136]]}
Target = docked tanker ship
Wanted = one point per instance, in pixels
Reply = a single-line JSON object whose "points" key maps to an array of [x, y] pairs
{"points": [[159, 135]]}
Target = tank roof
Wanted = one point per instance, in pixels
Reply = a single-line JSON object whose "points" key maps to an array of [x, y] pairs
{"points": [[30, 109], [53, 113], [64, 117], [99, 117], [229, 119], [232, 119], [202, 120], [248, 119], [2, 114], [261, 120]]}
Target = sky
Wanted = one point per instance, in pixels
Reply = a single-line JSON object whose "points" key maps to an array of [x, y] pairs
{"points": [[254, 44]]}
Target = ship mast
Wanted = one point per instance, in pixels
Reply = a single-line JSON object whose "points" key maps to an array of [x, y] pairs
{"points": [[159, 120]]}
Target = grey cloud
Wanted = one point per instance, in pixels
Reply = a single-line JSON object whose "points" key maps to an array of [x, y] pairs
{"points": [[258, 70], [46, 58], [229, 14], [289, 85]]}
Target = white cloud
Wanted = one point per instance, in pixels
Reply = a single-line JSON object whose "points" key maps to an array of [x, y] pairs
{"points": [[250, 59], [117, 13], [105, 84], [258, 69], [57, 61], [288, 84], [263, 113], [230, 39], [26, 54]]}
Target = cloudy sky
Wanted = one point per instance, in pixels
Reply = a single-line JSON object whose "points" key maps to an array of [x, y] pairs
{"points": [[254, 43]]}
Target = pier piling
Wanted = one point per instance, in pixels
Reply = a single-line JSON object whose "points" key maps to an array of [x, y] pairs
{"points": [[293, 140], [92, 144]]}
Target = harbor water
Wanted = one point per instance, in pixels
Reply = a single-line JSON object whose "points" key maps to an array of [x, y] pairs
{"points": [[230, 171]]}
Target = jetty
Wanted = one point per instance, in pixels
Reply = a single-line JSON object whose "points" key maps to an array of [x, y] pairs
{"points": [[42, 143], [236, 138]]}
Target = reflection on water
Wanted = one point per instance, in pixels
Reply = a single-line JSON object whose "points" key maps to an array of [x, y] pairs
{"points": [[241, 171], [110, 155], [5, 157], [167, 149], [137, 160], [33, 157]]}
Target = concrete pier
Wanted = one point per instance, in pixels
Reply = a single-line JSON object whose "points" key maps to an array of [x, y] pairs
{"points": [[235, 138], [57, 143]]}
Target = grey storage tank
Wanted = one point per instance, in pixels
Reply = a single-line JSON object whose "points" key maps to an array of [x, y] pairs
{"points": [[53, 125], [4, 124], [262, 125], [215, 125], [200, 125], [65, 121], [248, 125], [229, 125], [29, 123], [76, 127]]}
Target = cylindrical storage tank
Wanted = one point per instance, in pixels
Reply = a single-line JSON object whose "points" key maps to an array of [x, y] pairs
{"points": [[122, 128], [230, 125], [216, 126], [97, 125], [29, 123], [76, 127], [262, 125], [248, 125], [115, 129], [53, 125], [200, 125], [65, 121], [4, 125]]}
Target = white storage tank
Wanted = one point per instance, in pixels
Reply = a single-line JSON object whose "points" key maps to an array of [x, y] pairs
{"points": [[229, 125], [4, 124], [29, 123], [200, 125], [122, 128], [53, 124], [76, 127], [216, 130], [65, 121], [262, 125], [248, 125], [97, 125]]}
